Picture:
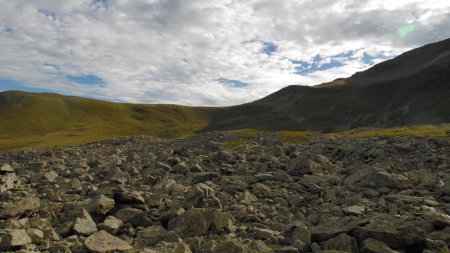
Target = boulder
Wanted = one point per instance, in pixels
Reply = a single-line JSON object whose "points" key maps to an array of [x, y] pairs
{"points": [[354, 210], [335, 227], [84, 225], [264, 233], [379, 178], [342, 242], [21, 207], [7, 181], [298, 231], [14, 239], [394, 234], [6, 168], [101, 204], [49, 176], [200, 221], [133, 215], [438, 219], [150, 236], [198, 177], [180, 168], [111, 225], [123, 195], [202, 195], [301, 166], [172, 247], [371, 245], [103, 242]]}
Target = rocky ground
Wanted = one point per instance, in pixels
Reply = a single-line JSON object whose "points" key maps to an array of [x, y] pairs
{"points": [[143, 194]]}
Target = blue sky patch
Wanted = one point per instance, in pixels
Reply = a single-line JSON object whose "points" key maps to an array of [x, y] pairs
{"points": [[11, 84], [101, 3], [269, 48], [232, 83], [47, 13], [8, 29], [87, 80], [304, 68]]}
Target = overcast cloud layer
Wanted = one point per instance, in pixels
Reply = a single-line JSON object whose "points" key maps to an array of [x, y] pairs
{"points": [[203, 52]]}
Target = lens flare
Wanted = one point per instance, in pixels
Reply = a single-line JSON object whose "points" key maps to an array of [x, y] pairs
{"points": [[405, 30]]}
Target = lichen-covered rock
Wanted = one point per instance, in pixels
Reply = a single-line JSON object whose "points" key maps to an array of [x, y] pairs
{"points": [[438, 219], [103, 242], [374, 246], [335, 227], [298, 231], [84, 225], [342, 242], [111, 225], [133, 215], [379, 178], [200, 221], [6, 168], [395, 235], [124, 195], [150, 236], [21, 207], [101, 204], [14, 239], [172, 247]]}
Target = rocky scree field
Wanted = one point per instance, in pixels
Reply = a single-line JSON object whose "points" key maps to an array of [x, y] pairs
{"points": [[144, 194]]}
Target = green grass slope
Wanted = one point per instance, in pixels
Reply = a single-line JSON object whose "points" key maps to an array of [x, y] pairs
{"points": [[42, 119]]}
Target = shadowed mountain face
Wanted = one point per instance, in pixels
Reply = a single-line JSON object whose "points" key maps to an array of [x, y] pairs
{"points": [[413, 88]]}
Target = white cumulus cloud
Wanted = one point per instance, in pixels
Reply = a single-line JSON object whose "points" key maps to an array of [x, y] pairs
{"points": [[175, 51]]}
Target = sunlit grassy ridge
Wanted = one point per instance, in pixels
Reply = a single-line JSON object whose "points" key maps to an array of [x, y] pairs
{"points": [[428, 131], [294, 136], [246, 133], [29, 119], [431, 132]]}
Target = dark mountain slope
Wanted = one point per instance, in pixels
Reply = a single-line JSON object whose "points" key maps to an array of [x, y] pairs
{"points": [[413, 88]]}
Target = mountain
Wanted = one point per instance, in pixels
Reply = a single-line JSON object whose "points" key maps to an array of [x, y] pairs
{"points": [[411, 89]]}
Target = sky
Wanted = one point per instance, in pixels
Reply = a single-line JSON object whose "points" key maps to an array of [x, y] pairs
{"points": [[203, 52]]}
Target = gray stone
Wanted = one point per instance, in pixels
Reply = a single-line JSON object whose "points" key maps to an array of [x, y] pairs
{"points": [[103, 242], [14, 239], [84, 225], [101, 204], [199, 221], [111, 225], [24, 206], [342, 242], [6, 168], [371, 245]]}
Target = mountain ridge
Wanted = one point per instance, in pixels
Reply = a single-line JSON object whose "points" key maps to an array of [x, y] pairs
{"points": [[411, 89], [389, 94]]}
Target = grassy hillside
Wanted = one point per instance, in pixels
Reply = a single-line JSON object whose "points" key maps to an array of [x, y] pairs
{"points": [[31, 119]]}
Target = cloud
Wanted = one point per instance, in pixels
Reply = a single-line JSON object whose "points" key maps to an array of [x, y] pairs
{"points": [[174, 51]]}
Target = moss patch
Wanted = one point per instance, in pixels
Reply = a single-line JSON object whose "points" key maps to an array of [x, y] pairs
{"points": [[233, 144], [294, 136], [430, 132]]}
